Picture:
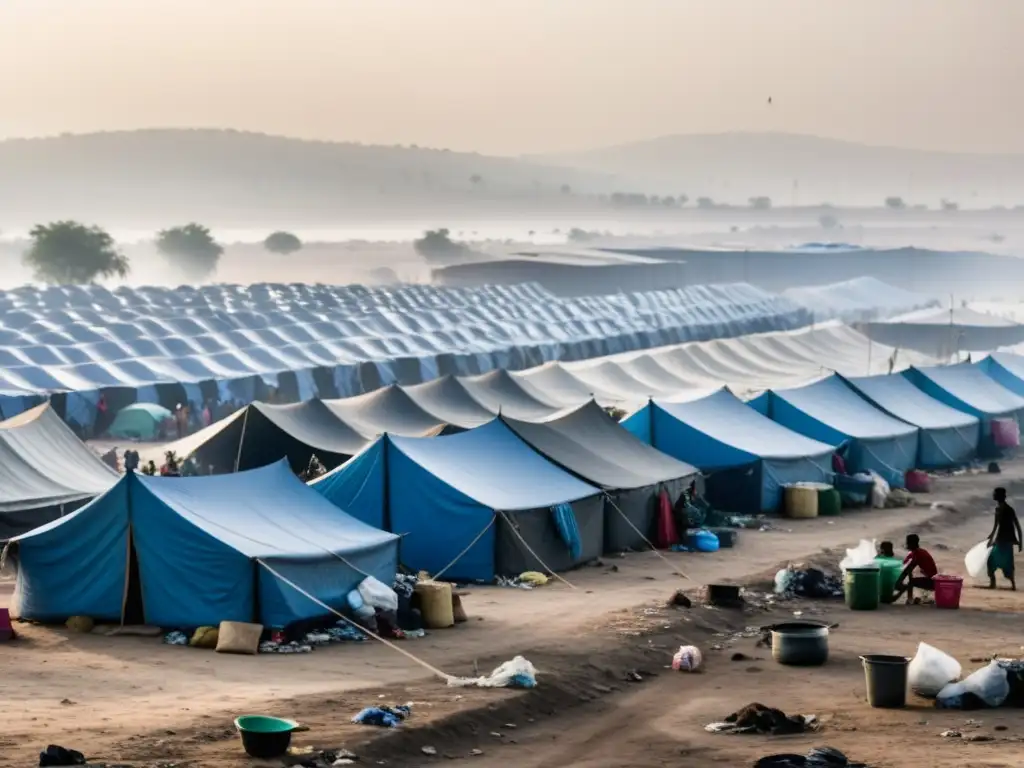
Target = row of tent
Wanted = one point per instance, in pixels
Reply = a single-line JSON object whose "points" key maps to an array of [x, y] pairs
{"points": [[497, 499], [231, 342]]}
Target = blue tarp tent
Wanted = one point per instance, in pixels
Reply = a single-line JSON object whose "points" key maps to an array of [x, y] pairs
{"points": [[948, 437], [474, 505], [196, 544], [970, 390], [1006, 368], [831, 412], [749, 456]]}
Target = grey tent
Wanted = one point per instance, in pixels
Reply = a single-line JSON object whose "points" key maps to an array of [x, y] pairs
{"points": [[388, 410], [593, 446], [45, 471], [261, 434], [450, 402], [499, 391]]}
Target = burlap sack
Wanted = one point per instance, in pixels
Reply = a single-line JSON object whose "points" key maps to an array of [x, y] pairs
{"points": [[237, 637]]}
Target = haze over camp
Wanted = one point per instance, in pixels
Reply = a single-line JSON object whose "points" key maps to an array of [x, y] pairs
{"points": [[521, 383]]}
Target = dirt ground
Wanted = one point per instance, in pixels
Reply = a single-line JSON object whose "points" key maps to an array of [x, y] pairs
{"points": [[137, 702]]}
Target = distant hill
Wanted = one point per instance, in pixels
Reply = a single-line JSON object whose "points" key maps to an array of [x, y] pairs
{"points": [[153, 177], [732, 167]]}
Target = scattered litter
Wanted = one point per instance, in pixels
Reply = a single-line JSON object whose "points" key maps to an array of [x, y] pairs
{"points": [[55, 756], [819, 757], [687, 659], [757, 718], [428, 751], [680, 599], [535, 578], [383, 717], [476, 752], [952, 733], [797, 581], [517, 673], [176, 638]]}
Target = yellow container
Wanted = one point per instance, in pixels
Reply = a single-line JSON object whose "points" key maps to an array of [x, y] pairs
{"points": [[436, 604], [801, 502]]}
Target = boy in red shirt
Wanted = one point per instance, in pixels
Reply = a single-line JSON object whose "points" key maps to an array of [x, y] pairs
{"points": [[917, 559]]}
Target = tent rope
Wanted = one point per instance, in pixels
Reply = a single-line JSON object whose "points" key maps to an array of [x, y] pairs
{"points": [[654, 549], [427, 666], [471, 545], [535, 555]]}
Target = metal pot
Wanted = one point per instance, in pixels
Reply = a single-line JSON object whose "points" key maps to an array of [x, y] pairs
{"points": [[800, 643]]}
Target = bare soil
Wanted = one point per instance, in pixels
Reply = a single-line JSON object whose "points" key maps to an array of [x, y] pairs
{"points": [[135, 701]]}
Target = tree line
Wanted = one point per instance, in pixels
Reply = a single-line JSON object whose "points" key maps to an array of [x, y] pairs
{"points": [[72, 253]]}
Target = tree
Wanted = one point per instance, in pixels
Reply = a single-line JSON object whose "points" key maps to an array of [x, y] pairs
{"points": [[566, 189], [69, 253], [282, 242], [577, 235], [760, 203], [950, 206], [436, 245], [476, 179], [683, 200], [895, 203], [191, 248], [705, 202], [668, 201], [828, 221]]}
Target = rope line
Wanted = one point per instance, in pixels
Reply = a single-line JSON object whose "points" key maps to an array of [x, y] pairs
{"points": [[426, 665], [675, 571], [530, 550]]}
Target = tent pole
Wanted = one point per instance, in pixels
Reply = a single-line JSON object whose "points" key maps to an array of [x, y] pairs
{"points": [[128, 554], [241, 439]]}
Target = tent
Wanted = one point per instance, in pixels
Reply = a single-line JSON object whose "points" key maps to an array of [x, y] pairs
{"points": [[45, 471], [947, 438], [594, 447], [186, 552], [472, 505], [449, 402], [261, 434], [748, 456], [833, 413], [970, 390], [142, 421], [945, 332], [1006, 368]]}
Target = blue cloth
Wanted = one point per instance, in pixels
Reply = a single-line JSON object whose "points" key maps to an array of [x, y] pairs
{"points": [[565, 521], [383, 717]]}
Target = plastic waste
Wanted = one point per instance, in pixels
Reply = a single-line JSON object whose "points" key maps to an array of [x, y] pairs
{"points": [[783, 581], [976, 559], [861, 555], [377, 594], [989, 684], [880, 492], [951, 696], [355, 600], [517, 673], [687, 659], [931, 670]]}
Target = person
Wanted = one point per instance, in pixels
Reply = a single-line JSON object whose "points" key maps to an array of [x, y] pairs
{"points": [[917, 559], [1004, 537], [131, 460], [885, 549]]}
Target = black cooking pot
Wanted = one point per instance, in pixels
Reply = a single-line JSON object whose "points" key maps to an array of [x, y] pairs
{"points": [[799, 643]]}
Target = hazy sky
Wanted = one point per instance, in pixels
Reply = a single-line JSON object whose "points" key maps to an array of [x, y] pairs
{"points": [[510, 76]]}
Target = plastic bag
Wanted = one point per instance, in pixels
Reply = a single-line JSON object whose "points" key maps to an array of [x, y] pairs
{"points": [[880, 492], [687, 659], [861, 555], [951, 696], [517, 673], [989, 684], [783, 581], [932, 670], [977, 559], [377, 594]]}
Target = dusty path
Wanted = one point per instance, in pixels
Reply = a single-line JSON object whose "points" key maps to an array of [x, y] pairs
{"points": [[127, 686]]}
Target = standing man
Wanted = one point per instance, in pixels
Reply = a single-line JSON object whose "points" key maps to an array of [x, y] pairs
{"points": [[1004, 537]]}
